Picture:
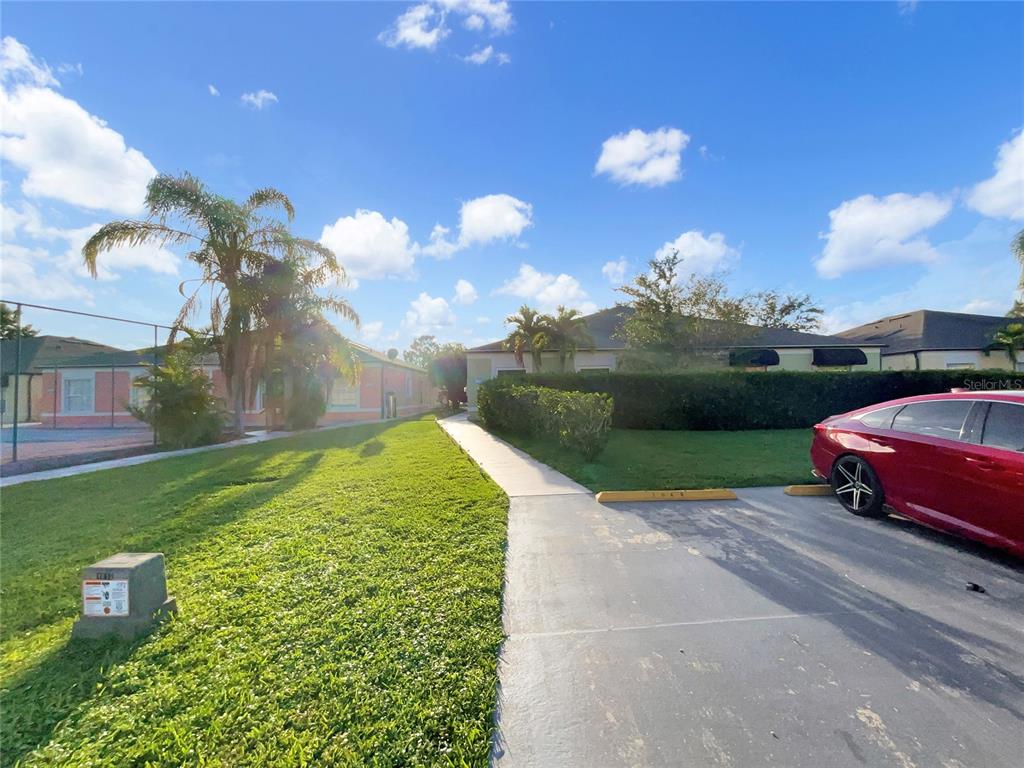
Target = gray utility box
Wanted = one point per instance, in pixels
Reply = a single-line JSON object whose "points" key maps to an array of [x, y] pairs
{"points": [[123, 595]]}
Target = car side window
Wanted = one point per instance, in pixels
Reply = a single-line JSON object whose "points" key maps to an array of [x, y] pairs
{"points": [[936, 418], [1004, 427], [880, 419]]}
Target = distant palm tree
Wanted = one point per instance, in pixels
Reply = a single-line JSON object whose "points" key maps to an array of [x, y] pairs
{"points": [[229, 241], [530, 333], [1011, 338], [569, 333]]}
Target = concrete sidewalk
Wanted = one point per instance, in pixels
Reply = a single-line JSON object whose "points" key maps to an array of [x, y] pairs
{"points": [[769, 630]]}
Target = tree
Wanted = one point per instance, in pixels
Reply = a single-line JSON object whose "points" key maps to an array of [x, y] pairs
{"points": [[797, 312], [675, 323], [9, 327], [298, 353], [568, 332], [530, 333], [422, 351], [230, 242], [1017, 248], [448, 371], [1010, 338]]}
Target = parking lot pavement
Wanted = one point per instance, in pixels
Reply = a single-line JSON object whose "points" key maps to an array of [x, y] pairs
{"points": [[771, 630], [39, 442]]}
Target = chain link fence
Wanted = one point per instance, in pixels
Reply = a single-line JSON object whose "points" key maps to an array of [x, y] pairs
{"points": [[67, 386]]}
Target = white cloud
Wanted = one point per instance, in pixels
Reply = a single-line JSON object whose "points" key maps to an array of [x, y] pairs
{"points": [[428, 314], [1002, 196], [483, 55], [370, 246], [493, 217], [615, 271], [66, 153], [421, 26], [907, 7], [259, 99], [480, 13], [482, 220], [637, 157], [700, 255], [71, 69], [483, 320], [465, 293], [213, 90], [29, 274], [548, 291], [372, 330], [424, 25], [18, 65], [869, 231], [978, 266]]}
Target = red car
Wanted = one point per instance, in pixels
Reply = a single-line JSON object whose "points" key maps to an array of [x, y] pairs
{"points": [[952, 461]]}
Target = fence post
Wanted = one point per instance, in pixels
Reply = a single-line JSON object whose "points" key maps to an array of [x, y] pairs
{"points": [[17, 380], [55, 396], [154, 363], [112, 362]]}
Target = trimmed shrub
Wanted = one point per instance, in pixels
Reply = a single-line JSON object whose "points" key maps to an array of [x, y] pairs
{"points": [[579, 421], [736, 400]]}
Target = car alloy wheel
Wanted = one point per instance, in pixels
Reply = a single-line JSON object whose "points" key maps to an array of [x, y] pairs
{"points": [[856, 486]]}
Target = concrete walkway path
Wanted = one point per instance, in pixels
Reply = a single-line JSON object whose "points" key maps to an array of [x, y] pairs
{"points": [[769, 630]]}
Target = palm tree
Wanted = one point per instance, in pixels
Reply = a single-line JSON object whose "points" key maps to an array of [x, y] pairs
{"points": [[1011, 338], [10, 324], [530, 333], [230, 242], [569, 333], [293, 341]]}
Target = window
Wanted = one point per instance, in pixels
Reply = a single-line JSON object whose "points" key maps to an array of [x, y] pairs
{"points": [[408, 386], [511, 372], [1004, 427], [78, 394], [138, 396], [936, 418], [595, 370], [960, 366], [343, 394], [880, 419]]}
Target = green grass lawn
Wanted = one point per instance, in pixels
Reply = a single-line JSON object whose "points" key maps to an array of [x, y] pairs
{"points": [[638, 459], [339, 597]]}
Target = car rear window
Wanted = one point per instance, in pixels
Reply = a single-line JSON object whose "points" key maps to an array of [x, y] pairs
{"points": [[882, 418], [1004, 427], [936, 418]]}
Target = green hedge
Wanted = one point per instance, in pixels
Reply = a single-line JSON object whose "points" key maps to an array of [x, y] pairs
{"points": [[756, 400], [580, 421]]}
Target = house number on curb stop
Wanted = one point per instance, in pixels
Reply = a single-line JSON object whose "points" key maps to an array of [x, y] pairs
{"points": [[105, 598]]}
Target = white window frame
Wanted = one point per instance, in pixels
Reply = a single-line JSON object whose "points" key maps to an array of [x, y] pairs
{"points": [[961, 367], [67, 377], [352, 402]]}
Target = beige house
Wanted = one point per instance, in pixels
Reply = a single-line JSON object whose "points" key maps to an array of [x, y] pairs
{"points": [[931, 340], [770, 349]]}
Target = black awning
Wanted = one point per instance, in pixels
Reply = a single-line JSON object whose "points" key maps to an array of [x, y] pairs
{"points": [[837, 357], [751, 357]]}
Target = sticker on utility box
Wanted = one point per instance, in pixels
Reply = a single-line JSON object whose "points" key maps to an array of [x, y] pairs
{"points": [[105, 598]]}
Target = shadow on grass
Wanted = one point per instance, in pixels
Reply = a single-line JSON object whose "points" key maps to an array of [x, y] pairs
{"points": [[914, 642], [172, 515]]}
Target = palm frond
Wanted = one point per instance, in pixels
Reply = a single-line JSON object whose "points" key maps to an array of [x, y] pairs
{"points": [[268, 196], [130, 233]]}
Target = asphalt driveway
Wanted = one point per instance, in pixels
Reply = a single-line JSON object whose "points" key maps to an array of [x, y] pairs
{"points": [[772, 630]]}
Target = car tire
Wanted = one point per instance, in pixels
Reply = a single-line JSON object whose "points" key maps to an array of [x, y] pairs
{"points": [[857, 487]]}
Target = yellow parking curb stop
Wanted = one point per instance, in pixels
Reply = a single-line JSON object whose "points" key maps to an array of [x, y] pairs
{"points": [[703, 494], [817, 489]]}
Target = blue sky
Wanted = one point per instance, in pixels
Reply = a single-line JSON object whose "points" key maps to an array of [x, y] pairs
{"points": [[466, 156]]}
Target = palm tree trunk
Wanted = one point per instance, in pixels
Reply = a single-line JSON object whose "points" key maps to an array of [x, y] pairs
{"points": [[238, 373]]}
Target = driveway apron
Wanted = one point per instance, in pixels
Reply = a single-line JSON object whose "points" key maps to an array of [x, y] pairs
{"points": [[771, 630]]}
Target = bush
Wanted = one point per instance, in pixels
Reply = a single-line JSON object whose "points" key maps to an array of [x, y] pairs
{"points": [[306, 405], [580, 421], [737, 400], [181, 407]]}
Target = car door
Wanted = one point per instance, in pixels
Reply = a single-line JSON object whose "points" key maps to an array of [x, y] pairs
{"points": [[993, 473], [928, 441]]}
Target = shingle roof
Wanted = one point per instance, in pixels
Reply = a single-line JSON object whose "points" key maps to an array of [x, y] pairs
{"points": [[368, 355], [39, 353], [929, 329], [603, 325]]}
